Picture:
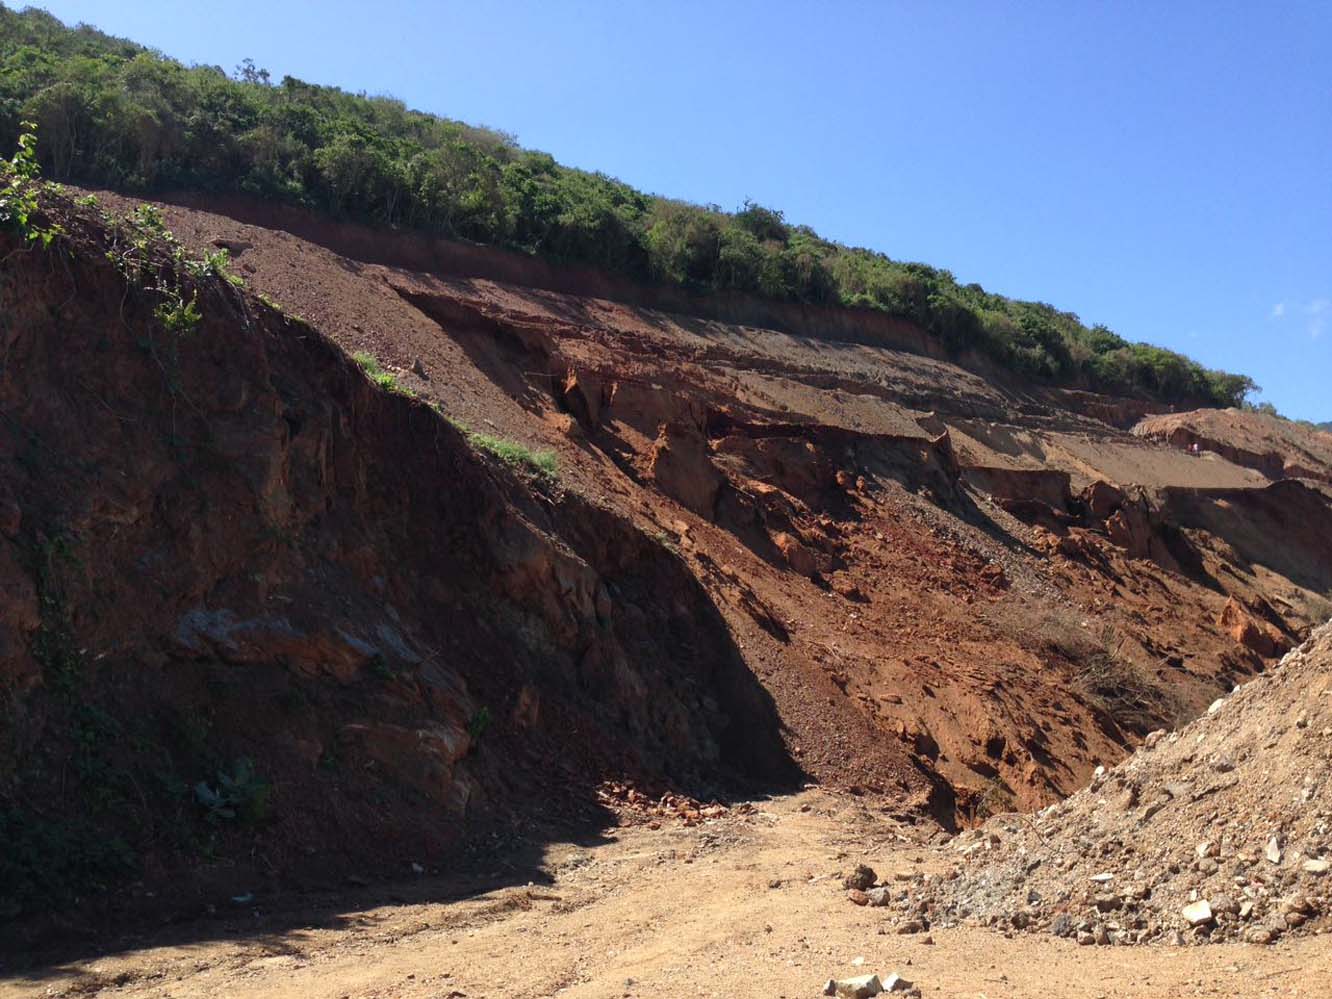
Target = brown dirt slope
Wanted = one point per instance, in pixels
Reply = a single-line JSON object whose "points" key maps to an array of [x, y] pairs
{"points": [[231, 546], [1231, 811], [1276, 447], [765, 550], [883, 587]]}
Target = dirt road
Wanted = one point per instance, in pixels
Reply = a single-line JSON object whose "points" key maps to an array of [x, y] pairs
{"points": [[748, 905]]}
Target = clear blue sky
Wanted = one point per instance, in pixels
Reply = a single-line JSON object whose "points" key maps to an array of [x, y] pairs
{"points": [[1165, 169]]}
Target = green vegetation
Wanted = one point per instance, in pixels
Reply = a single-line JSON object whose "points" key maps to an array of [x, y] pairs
{"points": [[20, 185], [238, 794], [478, 724], [112, 112], [513, 453], [1268, 409], [135, 241], [385, 380], [507, 451]]}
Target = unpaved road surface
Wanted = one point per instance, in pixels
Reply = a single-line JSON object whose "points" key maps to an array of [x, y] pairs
{"points": [[747, 905]]}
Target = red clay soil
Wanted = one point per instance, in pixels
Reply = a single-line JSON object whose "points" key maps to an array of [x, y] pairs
{"points": [[885, 602], [913, 582]]}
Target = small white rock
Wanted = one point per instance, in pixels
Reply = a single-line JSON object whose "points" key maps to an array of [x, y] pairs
{"points": [[1273, 851], [1197, 913]]}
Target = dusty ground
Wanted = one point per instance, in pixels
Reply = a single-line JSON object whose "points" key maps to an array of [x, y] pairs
{"points": [[669, 912]]}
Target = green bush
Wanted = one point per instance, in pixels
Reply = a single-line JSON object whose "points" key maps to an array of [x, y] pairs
{"points": [[237, 794], [20, 182]]}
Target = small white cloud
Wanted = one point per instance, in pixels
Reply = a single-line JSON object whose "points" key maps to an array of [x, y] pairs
{"points": [[1318, 311]]}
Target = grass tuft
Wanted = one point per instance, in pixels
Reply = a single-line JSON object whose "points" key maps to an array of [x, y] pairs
{"points": [[376, 373], [510, 452]]}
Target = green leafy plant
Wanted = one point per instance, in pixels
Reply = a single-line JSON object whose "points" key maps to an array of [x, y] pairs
{"points": [[215, 264], [20, 183], [380, 667], [237, 794], [149, 256]]}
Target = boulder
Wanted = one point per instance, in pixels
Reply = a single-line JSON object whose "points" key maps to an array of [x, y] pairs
{"points": [[862, 878], [1244, 628], [797, 556], [1102, 499]]}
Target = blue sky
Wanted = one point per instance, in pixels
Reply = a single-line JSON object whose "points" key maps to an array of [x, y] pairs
{"points": [[1165, 169]]}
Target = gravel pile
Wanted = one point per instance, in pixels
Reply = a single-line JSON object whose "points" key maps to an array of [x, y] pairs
{"points": [[1219, 831]]}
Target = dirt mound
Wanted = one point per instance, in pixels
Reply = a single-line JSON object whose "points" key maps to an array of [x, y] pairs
{"points": [[1276, 447], [1217, 831]]}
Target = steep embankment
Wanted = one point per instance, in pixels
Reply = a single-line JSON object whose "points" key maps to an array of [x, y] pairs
{"points": [[266, 620], [881, 579], [764, 550]]}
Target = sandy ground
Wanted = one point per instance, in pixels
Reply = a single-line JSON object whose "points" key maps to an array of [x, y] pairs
{"points": [[747, 905]]}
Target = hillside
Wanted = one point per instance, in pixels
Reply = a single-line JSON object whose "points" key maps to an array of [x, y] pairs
{"points": [[274, 620], [113, 113], [433, 572]]}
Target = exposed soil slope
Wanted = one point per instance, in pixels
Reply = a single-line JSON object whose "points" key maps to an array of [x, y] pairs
{"points": [[1279, 449], [231, 546], [939, 601], [766, 552]]}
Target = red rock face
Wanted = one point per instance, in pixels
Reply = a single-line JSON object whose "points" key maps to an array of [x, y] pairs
{"points": [[765, 549], [1253, 634], [234, 545]]}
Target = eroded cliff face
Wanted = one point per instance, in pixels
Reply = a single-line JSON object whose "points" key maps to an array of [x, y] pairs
{"points": [[267, 619], [229, 546]]}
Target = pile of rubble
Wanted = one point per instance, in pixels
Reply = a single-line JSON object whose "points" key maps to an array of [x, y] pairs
{"points": [[636, 807], [1219, 831]]}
